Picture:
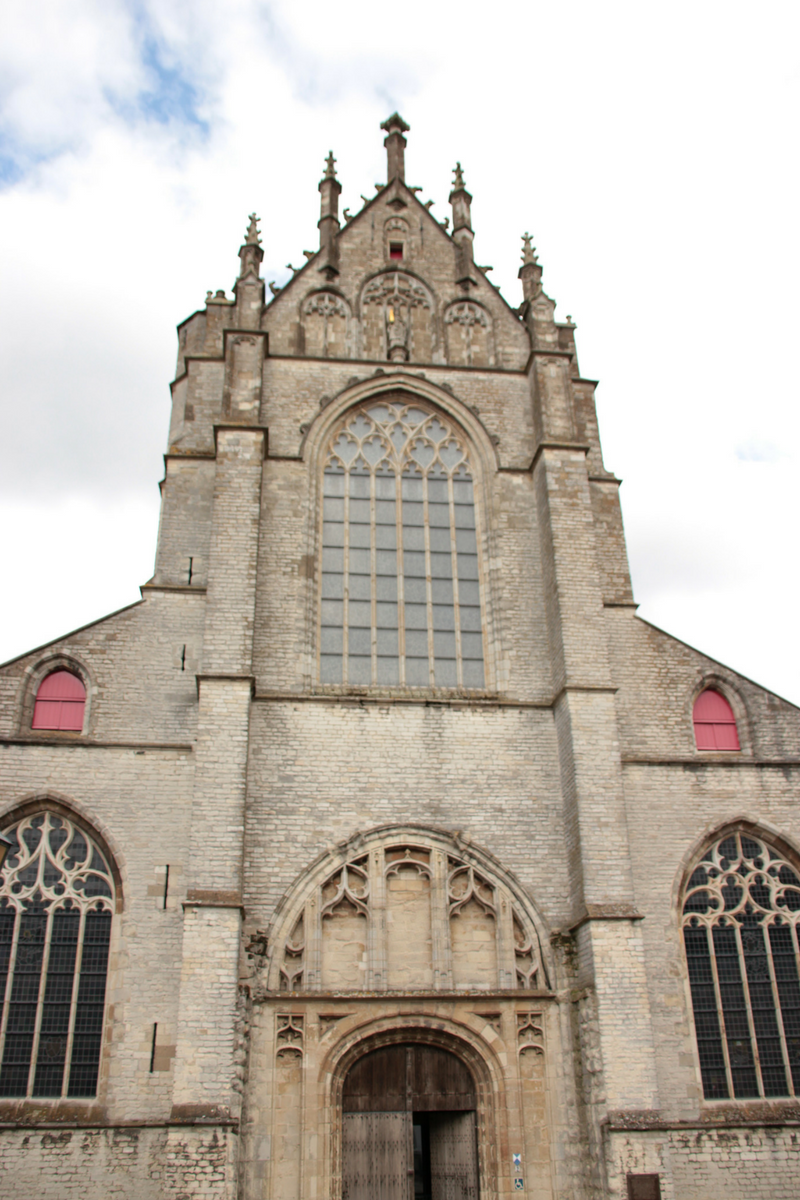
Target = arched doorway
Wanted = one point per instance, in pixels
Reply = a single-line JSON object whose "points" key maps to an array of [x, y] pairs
{"points": [[408, 1126]]}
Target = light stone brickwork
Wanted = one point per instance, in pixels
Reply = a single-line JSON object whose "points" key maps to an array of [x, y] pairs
{"points": [[307, 872]]}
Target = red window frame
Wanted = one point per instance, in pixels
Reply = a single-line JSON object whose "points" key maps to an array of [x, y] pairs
{"points": [[714, 722], [60, 702]]}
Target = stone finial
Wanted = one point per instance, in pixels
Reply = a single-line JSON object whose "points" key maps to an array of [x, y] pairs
{"points": [[395, 145], [528, 249], [330, 166], [252, 237], [458, 177], [329, 192]]}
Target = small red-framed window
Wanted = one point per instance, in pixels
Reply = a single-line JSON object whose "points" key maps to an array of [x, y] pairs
{"points": [[714, 722], [60, 702], [395, 250]]}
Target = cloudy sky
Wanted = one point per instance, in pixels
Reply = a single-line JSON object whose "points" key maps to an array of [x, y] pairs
{"points": [[650, 148]]}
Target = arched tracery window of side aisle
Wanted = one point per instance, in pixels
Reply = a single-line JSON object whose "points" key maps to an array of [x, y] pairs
{"points": [[56, 906], [401, 599]]}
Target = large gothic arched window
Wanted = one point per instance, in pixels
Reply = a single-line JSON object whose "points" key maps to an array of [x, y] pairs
{"points": [[56, 905], [741, 913], [401, 595]]}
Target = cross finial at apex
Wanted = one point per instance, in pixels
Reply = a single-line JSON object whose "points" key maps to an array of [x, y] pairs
{"points": [[528, 249], [458, 177], [253, 237], [330, 166], [395, 121]]}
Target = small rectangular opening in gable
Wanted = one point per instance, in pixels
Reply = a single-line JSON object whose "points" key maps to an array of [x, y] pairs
{"points": [[395, 250]]}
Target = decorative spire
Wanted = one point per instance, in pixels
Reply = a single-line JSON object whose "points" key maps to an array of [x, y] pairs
{"points": [[458, 181], [252, 237], [330, 166], [395, 145], [528, 250], [461, 200], [329, 192]]}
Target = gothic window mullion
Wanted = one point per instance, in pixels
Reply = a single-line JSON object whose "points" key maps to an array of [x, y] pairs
{"points": [[5, 998], [749, 1008], [709, 936], [776, 1002], [454, 559], [426, 526], [346, 581], [37, 1028], [373, 573], [401, 594], [73, 1007]]}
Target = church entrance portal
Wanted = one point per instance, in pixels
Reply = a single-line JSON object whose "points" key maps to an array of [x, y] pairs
{"points": [[408, 1126]]}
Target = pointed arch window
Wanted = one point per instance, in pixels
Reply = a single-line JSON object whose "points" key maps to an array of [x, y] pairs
{"points": [[60, 702], [714, 722], [401, 597], [56, 905], [741, 912]]}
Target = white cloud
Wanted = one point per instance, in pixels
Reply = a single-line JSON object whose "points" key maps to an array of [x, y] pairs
{"points": [[652, 166]]}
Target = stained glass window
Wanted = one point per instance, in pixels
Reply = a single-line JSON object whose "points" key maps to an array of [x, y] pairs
{"points": [[401, 594], [741, 914], [56, 904]]}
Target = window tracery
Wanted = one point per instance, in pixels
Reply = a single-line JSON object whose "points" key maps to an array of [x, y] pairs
{"points": [[400, 600], [56, 905], [741, 914]]}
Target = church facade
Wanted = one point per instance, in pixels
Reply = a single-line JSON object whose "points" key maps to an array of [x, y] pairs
{"points": [[381, 851]]}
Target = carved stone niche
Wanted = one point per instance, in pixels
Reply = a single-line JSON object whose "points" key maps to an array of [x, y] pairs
{"points": [[326, 325], [405, 914], [469, 335], [397, 319]]}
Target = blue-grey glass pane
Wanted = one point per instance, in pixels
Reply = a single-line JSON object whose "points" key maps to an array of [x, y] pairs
{"points": [[470, 618], [442, 591], [440, 540], [330, 668], [413, 538], [465, 517], [359, 613], [359, 641], [416, 616], [359, 512], [437, 491], [471, 645], [334, 485], [385, 537], [467, 566], [462, 491], [332, 587], [387, 641], [439, 514], [386, 562], [444, 672], [359, 486], [472, 672], [414, 591], [332, 612], [332, 534], [359, 535], [413, 563], [333, 510], [388, 670], [333, 560], [360, 561], [465, 541], [385, 487], [441, 566], [412, 513], [385, 512], [444, 645], [416, 642], [443, 616], [386, 587], [412, 487], [468, 592], [386, 616], [331, 640], [417, 672], [359, 670], [359, 587]]}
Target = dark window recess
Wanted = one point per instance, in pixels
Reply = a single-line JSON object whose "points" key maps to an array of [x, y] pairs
{"points": [[395, 250], [153, 1047], [644, 1187], [166, 884], [183, 658], [191, 569]]}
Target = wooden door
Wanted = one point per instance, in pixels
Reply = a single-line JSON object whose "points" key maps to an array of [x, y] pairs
{"points": [[454, 1159], [377, 1156]]}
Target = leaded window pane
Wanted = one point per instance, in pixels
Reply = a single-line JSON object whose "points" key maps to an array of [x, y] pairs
{"points": [[398, 532], [56, 903], [741, 914]]}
